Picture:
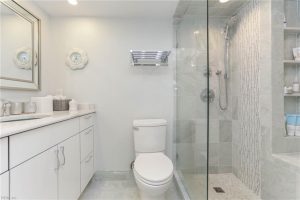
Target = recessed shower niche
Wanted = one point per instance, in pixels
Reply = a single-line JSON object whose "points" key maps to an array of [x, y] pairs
{"points": [[291, 65]]}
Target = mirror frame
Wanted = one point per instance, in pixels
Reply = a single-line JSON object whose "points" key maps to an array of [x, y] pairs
{"points": [[35, 84]]}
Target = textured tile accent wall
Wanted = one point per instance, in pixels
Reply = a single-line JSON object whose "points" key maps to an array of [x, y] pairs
{"points": [[245, 51]]}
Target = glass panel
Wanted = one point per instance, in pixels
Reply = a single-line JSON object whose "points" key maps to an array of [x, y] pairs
{"points": [[254, 140], [191, 81], [234, 147]]}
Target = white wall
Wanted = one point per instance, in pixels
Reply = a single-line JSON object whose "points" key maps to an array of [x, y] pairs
{"points": [[121, 92], [51, 78]]}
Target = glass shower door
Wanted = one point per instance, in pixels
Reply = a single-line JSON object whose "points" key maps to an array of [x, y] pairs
{"points": [[190, 22]]}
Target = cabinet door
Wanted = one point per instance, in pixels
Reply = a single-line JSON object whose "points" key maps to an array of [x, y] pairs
{"points": [[36, 178], [69, 170], [4, 186], [3, 155], [87, 170]]}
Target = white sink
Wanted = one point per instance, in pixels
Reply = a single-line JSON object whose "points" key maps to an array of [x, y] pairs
{"points": [[22, 117]]}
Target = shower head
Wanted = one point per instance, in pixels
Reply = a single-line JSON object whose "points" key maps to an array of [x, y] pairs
{"points": [[232, 20], [230, 23]]}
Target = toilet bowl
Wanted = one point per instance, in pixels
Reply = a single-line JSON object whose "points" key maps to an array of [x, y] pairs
{"points": [[152, 169], [153, 174]]}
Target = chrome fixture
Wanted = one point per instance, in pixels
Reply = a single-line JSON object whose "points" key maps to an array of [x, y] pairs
{"points": [[219, 73], [227, 38], [5, 108], [207, 95], [149, 58], [207, 72]]}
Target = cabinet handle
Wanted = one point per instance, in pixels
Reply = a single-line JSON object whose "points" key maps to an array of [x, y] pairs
{"points": [[90, 158], [57, 160], [87, 117], [63, 154], [88, 132]]}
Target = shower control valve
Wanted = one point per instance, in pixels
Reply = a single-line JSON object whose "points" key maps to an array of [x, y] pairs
{"points": [[207, 95]]}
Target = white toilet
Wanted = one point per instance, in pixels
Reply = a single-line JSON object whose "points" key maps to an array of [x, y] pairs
{"points": [[153, 170]]}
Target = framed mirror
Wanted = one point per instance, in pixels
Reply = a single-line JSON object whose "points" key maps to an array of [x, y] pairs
{"points": [[19, 47]]}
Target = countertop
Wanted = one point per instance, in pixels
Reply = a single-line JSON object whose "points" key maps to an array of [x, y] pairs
{"points": [[14, 127]]}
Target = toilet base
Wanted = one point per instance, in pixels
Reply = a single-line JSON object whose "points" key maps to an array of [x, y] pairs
{"points": [[151, 192]]}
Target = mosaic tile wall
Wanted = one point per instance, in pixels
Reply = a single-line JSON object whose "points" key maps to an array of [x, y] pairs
{"points": [[245, 62]]}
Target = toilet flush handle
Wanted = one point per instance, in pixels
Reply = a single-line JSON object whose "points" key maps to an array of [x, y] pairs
{"points": [[132, 165], [135, 128]]}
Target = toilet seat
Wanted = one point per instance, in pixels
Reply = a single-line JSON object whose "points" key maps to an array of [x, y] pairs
{"points": [[153, 168]]}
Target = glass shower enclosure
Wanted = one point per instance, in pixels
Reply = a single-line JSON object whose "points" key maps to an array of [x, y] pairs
{"points": [[192, 74], [237, 129]]}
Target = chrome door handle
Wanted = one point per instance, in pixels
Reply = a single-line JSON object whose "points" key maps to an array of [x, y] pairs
{"points": [[63, 154]]}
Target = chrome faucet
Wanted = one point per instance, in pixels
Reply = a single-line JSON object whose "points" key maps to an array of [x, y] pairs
{"points": [[5, 108]]}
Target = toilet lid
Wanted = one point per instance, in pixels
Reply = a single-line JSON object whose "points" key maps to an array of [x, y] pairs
{"points": [[153, 167]]}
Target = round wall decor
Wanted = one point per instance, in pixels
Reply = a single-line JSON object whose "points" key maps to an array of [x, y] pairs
{"points": [[77, 59], [23, 58]]}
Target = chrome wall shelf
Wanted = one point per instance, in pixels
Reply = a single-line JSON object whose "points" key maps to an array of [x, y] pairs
{"points": [[149, 58]]}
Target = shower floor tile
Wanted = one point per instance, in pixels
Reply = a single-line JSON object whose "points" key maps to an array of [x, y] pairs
{"points": [[118, 186], [234, 189]]}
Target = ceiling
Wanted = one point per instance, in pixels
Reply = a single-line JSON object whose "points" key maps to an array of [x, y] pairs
{"points": [[216, 9], [225, 9], [111, 8]]}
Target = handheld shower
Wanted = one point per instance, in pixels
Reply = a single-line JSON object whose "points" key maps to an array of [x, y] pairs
{"points": [[226, 33]]}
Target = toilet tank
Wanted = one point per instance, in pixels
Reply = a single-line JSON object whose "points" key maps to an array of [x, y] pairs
{"points": [[149, 135]]}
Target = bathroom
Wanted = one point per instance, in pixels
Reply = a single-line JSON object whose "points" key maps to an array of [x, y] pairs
{"points": [[150, 99]]}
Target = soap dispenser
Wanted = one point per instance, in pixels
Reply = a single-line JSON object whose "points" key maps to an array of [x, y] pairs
{"points": [[73, 106]]}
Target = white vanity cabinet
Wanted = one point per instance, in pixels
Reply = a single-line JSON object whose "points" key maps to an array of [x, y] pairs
{"points": [[87, 156], [36, 178], [4, 174], [3, 155], [46, 163], [4, 186], [69, 169]]}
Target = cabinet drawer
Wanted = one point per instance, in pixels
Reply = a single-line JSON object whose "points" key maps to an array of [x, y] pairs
{"points": [[3, 155], [87, 170], [87, 142], [86, 121], [27, 145]]}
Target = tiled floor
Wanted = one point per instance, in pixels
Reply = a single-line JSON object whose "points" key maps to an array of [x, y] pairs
{"points": [[122, 186], [233, 187], [118, 186]]}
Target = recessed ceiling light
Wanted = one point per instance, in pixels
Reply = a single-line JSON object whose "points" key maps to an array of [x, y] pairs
{"points": [[223, 1], [73, 2]]}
